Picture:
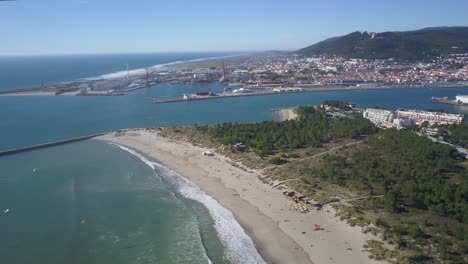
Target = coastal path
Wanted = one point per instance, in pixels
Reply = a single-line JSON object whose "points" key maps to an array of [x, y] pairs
{"points": [[330, 150]]}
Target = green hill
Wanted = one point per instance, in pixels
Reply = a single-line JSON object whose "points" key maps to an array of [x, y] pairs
{"points": [[408, 45]]}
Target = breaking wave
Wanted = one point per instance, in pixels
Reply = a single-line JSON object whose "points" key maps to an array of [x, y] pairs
{"points": [[239, 246], [142, 71]]}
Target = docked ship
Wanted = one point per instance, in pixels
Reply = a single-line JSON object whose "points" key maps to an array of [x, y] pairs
{"points": [[461, 99], [198, 95], [458, 100]]}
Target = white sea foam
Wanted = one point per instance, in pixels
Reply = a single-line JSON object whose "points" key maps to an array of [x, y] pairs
{"points": [[142, 71], [239, 246]]}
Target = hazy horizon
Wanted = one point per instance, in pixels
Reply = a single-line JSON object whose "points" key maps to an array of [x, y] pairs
{"points": [[103, 53]]}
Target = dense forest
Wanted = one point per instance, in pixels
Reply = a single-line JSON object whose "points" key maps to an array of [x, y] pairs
{"points": [[455, 134], [311, 129], [422, 181], [409, 169]]}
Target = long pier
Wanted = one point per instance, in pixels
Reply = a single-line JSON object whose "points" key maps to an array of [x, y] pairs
{"points": [[304, 90], [222, 96], [49, 144]]}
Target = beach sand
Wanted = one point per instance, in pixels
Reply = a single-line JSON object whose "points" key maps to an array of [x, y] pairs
{"points": [[281, 235], [286, 113]]}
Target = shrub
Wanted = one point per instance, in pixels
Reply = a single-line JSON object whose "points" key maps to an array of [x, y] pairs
{"points": [[277, 161], [415, 232]]}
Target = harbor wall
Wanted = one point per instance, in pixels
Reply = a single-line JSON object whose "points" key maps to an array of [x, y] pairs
{"points": [[49, 144]]}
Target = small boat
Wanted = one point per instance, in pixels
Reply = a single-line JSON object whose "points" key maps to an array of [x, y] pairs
{"points": [[34, 170], [6, 211]]}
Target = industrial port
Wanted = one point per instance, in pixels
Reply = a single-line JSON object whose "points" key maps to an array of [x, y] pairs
{"points": [[212, 96], [270, 74]]}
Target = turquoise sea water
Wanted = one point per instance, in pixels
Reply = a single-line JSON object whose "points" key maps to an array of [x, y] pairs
{"points": [[30, 120], [92, 202], [133, 212]]}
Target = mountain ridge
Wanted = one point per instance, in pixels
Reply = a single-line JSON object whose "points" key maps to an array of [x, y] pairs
{"points": [[420, 44]]}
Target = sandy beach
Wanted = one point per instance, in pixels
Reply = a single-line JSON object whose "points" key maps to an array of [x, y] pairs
{"points": [[281, 235], [286, 113]]}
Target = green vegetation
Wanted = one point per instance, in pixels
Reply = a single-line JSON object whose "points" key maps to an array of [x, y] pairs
{"points": [[311, 129], [425, 191], [378, 251], [337, 104], [409, 45], [277, 161], [413, 192], [410, 170], [210, 63], [455, 134], [305, 110]]}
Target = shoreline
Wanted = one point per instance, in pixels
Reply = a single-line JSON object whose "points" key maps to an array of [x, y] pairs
{"points": [[305, 90], [280, 234], [286, 113], [142, 71], [40, 92], [215, 189], [168, 176], [45, 91]]}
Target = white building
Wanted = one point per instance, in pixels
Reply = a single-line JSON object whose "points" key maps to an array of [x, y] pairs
{"points": [[403, 122], [287, 90], [242, 90], [378, 116], [420, 117]]}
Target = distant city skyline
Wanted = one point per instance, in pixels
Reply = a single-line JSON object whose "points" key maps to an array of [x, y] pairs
{"points": [[105, 26]]}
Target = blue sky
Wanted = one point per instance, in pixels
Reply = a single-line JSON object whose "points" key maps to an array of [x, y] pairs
{"points": [[113, 26]]}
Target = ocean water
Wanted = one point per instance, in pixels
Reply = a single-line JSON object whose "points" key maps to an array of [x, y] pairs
{"points": [[93, 202], [30, 120], [31, 71]]}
